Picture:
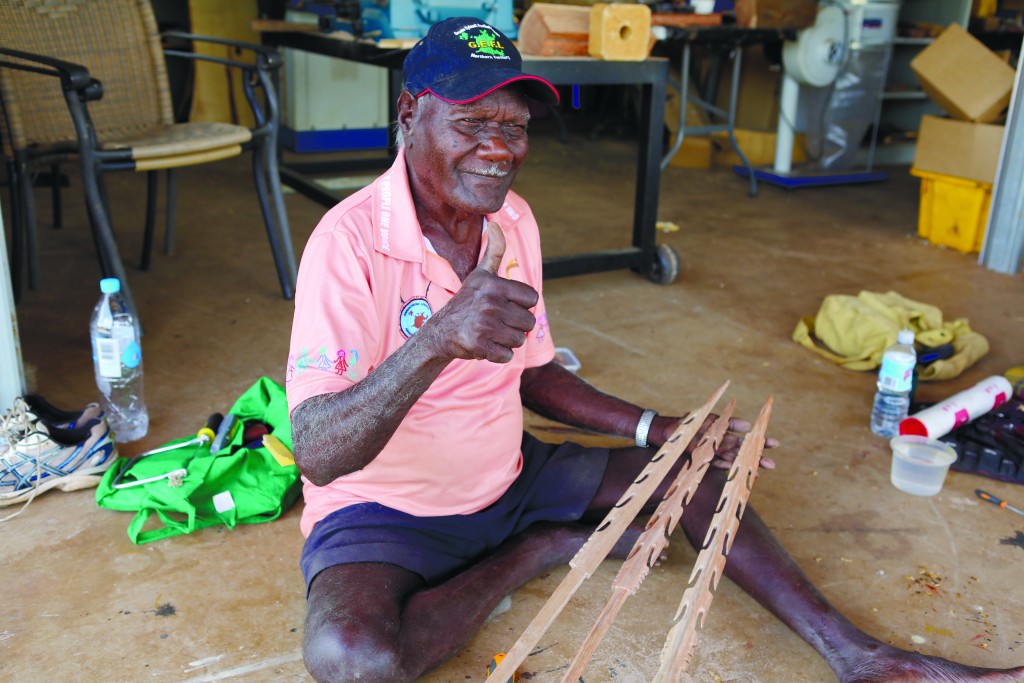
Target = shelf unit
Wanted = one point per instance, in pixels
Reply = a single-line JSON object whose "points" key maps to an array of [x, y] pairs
{"points": [[904, 103]]}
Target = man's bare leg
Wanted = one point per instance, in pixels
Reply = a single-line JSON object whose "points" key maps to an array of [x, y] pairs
{"points": [[763, 568], [377, 622]]}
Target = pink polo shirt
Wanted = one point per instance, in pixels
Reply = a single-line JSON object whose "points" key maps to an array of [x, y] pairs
{"points": [[367, 282]]}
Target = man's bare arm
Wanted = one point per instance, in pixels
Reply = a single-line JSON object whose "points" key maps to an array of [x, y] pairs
{"points": [[557, 394], [337, 434]]}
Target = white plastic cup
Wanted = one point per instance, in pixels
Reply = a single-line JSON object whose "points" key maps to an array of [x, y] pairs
{"points": [[703, 6], [920, 464], [945, 416]]}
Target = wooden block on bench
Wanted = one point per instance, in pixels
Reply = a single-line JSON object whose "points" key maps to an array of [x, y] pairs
{"points": [[620, 32], [554, 30]]}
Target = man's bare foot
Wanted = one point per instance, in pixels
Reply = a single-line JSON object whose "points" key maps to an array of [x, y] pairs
{"points": [[899, 666]]}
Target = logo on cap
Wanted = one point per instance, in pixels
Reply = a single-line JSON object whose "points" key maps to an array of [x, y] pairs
{"points": [[462, 59], [483, 42]]}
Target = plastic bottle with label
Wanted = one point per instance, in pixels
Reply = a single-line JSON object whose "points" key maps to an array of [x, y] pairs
{"points": [[117, 361], [895, 381]]}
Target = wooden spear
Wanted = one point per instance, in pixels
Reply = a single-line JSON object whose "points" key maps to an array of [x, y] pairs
{"points": [[600, 543], [653, 540], [710, 563]]}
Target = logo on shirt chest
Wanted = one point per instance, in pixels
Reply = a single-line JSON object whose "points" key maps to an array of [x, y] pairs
{"points": [[415, 312]]}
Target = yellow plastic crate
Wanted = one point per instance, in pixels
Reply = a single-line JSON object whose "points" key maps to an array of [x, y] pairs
{"points": [[954, 211]]}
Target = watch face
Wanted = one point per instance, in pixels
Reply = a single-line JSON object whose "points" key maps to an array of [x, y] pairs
{"points": [[415, 312]]}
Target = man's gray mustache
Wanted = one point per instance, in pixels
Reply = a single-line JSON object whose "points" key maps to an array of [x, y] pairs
{"points": [[493, 171]]}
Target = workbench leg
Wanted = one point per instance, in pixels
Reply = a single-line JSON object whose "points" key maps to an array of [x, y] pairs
{"points": [[648, 179], [734, 88], [684, 88]]}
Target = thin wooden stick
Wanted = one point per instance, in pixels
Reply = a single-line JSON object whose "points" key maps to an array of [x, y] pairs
{"points": [[710, 563], [600, 543], [652, 541]]}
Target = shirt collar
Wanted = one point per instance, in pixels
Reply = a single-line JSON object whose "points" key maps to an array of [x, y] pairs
{"points": [[397, 231]]}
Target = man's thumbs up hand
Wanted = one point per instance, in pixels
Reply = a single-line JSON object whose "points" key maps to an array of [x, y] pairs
{"points": [[490, 315], [495, 249]]}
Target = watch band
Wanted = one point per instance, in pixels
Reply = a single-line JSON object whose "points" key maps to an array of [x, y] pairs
{"points": [[643, 427]]}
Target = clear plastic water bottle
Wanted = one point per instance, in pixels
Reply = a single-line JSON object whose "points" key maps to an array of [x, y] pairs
{"points": [[895, 380], [117, 361]]}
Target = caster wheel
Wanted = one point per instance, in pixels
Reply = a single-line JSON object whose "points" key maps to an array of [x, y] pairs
{"points": [[665, 269]]}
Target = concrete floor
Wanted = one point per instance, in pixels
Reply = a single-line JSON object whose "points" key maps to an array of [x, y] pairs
{"points": [[940, 575]]}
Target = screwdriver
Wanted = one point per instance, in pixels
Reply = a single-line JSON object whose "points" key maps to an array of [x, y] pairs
{"points": [[995, 501], [204, 436]]}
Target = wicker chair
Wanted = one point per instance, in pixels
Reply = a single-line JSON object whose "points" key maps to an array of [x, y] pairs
{"points": [[87, 79]]}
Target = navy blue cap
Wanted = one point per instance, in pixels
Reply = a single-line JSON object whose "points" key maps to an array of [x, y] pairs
{"points": [[462, 59]]}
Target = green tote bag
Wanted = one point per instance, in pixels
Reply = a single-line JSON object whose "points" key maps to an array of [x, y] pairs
{"points": [[239, 484]]}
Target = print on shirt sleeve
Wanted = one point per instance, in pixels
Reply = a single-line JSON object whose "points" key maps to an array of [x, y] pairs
{"points": [[542, 327], [344, 363]]}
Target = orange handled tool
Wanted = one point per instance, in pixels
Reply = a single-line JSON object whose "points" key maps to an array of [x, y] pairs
{"points": [[495, 661], [1001, 503]]}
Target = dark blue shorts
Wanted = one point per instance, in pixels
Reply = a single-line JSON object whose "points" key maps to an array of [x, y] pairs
{"points": [[557, 483]]}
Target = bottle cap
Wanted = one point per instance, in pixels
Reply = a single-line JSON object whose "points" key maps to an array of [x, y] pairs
{"points": [[110, 285], [905, 337]]}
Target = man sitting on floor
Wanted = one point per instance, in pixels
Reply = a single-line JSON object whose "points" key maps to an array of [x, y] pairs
{"points": [[420, 333]]}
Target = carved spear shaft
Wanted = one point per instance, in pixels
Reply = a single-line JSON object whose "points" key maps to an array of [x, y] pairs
{"points": [[607, 533], [653, 540], [710, 563]]}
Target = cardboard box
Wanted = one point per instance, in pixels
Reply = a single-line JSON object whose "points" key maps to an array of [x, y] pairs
{"points": [[757, 102], [964, 77], [776, 13], [984, 8], [695, 152], [958, 148], [757, 145]]}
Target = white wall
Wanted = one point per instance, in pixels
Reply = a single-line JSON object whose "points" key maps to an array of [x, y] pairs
{"points": [[12, 376], [1003, 249]]}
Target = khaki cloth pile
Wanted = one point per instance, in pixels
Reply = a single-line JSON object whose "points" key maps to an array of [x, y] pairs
{"points": [[854, 332]]}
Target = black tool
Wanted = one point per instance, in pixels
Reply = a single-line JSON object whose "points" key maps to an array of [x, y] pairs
{"points": [[225, 433], [926, 355]]}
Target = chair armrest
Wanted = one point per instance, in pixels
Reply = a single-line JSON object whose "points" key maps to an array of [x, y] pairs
{"points": [[267, 58], [72, 76], [261, 74]]}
